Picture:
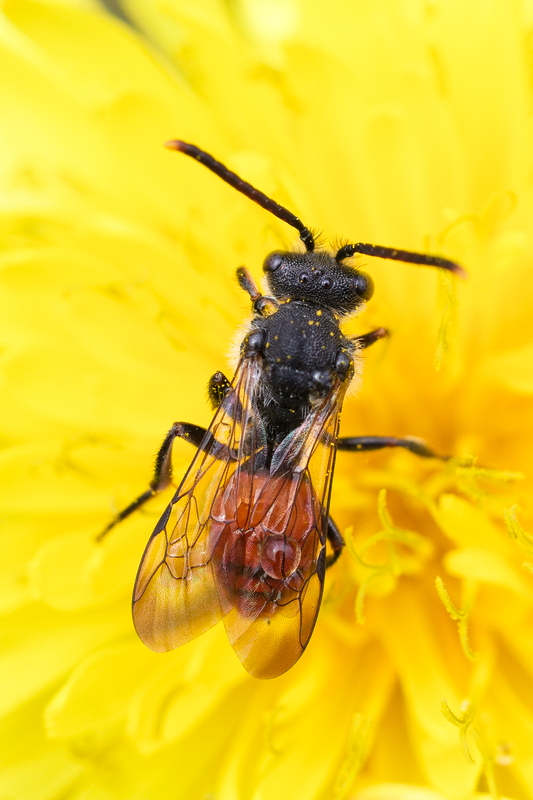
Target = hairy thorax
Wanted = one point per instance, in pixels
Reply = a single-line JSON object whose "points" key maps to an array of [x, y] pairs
{"points": [[300, 352]]}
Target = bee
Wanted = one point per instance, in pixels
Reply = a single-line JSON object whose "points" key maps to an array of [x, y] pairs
{"points": [[244, 538]]}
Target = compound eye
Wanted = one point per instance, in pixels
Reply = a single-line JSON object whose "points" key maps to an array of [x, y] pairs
{"points": [[364, 285], [273, 262]]}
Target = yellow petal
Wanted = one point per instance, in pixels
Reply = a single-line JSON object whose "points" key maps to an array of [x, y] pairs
{"points": [[481, 564], [514, 370]]}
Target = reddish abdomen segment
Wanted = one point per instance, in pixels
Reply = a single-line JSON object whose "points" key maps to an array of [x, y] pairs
{"points": [[267, 533]]}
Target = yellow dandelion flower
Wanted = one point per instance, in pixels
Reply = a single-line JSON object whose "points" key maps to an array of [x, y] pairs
{"points": [[404, 124]]}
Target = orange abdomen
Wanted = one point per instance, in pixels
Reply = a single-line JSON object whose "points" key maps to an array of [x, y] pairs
{"points": [[267, 532]]}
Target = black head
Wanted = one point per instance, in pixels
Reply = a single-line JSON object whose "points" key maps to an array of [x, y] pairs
{"points": [[317, 278]]}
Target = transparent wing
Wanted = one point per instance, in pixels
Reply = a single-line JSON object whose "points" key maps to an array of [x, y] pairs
{"points": [[175, 596], [244, 536]]}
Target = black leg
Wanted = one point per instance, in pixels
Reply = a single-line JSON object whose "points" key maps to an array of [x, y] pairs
{"points": [[367, 339], [366, 443], [262, 304], [162, 470], [218, 389], [336, 541]]}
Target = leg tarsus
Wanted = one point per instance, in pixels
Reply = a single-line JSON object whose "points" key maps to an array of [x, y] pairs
{"points": [[136, 504], [247, 283], [262, 304], [367, 443], [367, 339], [336, 541]]}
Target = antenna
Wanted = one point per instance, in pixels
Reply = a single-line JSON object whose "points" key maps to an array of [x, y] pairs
{"points": [[245, 188]]}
